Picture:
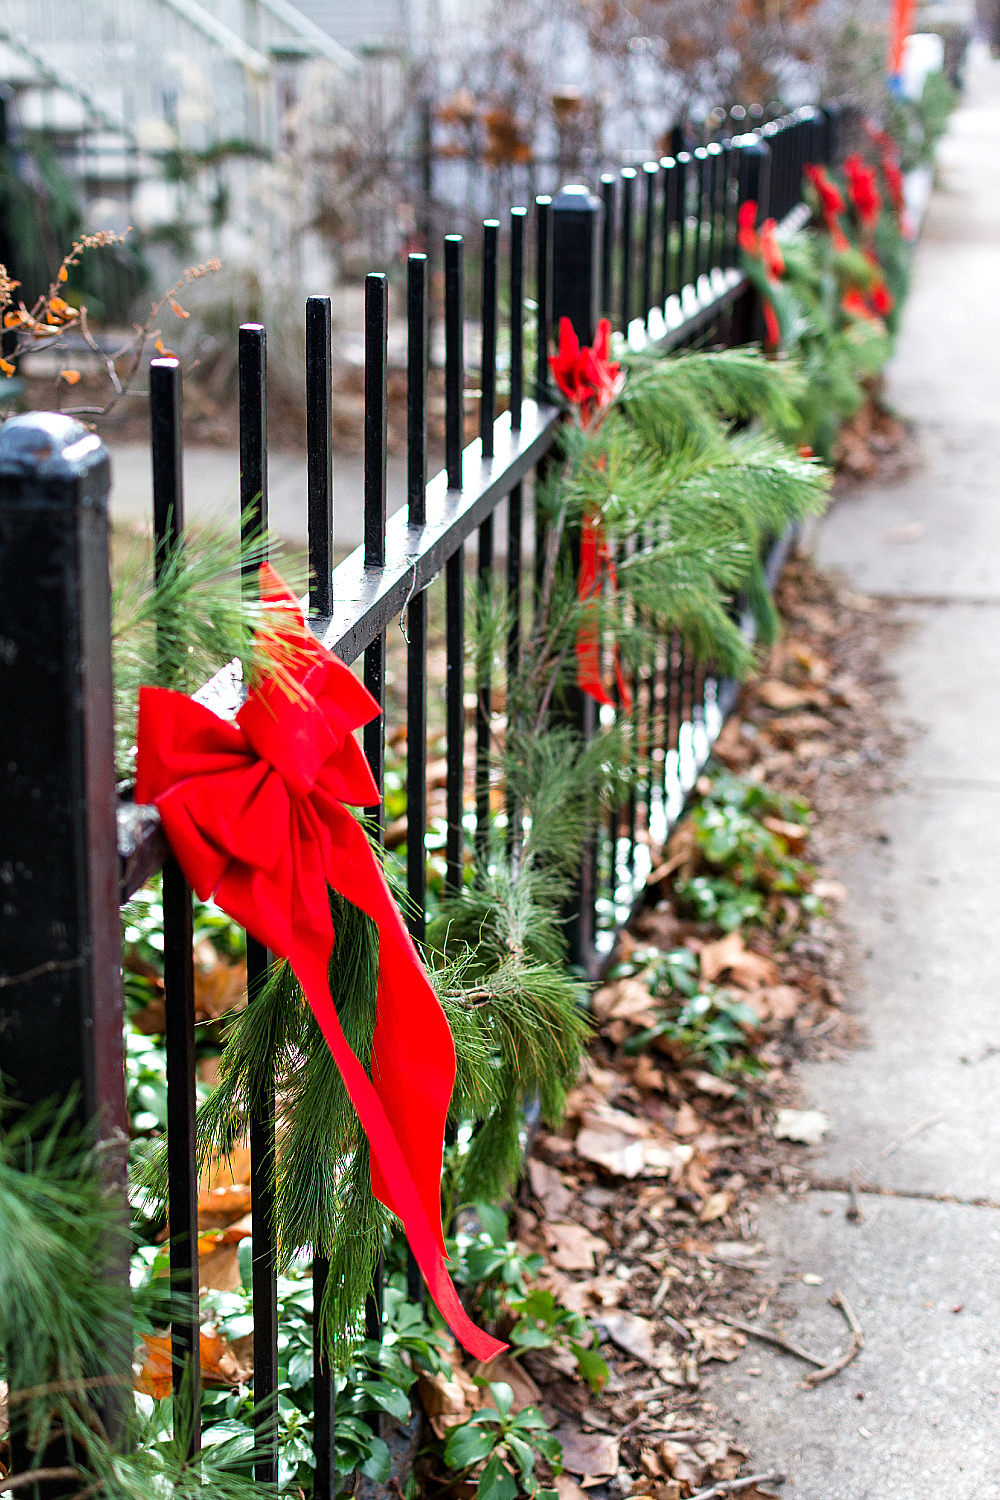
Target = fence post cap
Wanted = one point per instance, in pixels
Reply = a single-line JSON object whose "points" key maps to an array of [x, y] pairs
{"points": [[50, 445], [575, 197]]}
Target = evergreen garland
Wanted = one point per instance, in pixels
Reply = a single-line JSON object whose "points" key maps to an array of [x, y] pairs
{"points": [[688, 461]]}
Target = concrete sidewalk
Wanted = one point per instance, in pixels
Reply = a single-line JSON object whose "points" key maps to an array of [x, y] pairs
{"points": [[923, 1276]]}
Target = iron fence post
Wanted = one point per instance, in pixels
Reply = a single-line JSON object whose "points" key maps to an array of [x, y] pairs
{"points": [[61, 1007], [576, 259], [754, 172], [576, 229]]}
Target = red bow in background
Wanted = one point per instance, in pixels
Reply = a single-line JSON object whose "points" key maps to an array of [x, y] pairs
{"points": [[831, 202], [586, 376], [765, 248], [590, 380], [254, 813]]}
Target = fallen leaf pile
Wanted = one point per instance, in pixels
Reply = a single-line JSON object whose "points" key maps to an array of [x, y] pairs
{"points": [[643, 1204]]}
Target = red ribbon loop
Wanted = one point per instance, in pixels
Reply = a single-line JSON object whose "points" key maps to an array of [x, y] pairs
{"points": [[596, 564], [254, 814]]}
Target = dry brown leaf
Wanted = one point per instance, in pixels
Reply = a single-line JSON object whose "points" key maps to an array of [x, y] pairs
{"points": [[509, 1370], [646, 1076], [717, 1340], [575, 1247], [220, 1364], [682, 1463], [225, 1170], [597, 1291], [592, 1454], [626, 1156], [549, 1188], [219, 988], [780, 695], [783, 1001], [778, 1002], [567, 1488], [687, 1122], [621, 1154], [817, 666], [749, 970], [795, 835], [448, 1399], [829, 890], [732, 747], [218, 1263], [715, 1207], [626, 1000], [709, 1084], [222, 1204]]}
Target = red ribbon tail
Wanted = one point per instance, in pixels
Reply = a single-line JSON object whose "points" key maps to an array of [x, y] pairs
{"points": [[386, 1151]]}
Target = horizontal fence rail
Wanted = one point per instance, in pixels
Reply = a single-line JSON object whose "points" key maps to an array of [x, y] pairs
{"points": [[655, 250]]}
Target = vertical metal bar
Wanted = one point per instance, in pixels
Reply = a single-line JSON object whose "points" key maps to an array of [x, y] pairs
{"points": [[325, 1484], [714, 166], [416, 389], [608, 186], [455, 714], [416, 611], [253, 440], [728, 255], [483, 697], [319, 478], [669, 218], [165, 420], [700, 164], [488, 325], [319, 452], [669, 213], [253, 505], [514, 526], [628, 209], [683, 159], [416, 763], [454, 360], [518, 216], [651, 172], [373, 735], [543, 292], [376, 412]]}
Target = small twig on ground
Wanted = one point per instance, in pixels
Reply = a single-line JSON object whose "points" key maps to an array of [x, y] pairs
{"points": [[909, 1134], [854, 1348], [854, 1213], [733, 1486], [773, 1338], [875, 1189]]}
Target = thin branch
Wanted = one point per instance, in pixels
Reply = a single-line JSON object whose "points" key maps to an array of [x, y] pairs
{"points": [[774, 1338], [58, 1387], [733, 1486], [854, 1348], [35, 1476]]}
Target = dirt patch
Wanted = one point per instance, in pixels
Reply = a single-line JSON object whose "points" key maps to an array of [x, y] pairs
{"points": [[644, 1204]]}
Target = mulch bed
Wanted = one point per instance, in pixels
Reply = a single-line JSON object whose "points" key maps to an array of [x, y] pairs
{"points": [[644, 1203]]}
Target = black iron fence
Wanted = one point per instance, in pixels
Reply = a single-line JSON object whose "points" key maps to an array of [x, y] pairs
{"points": [[656, 251]]}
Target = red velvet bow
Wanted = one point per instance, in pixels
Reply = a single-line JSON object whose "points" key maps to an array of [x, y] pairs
{"points": [[586, 376], [254, 813]]}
